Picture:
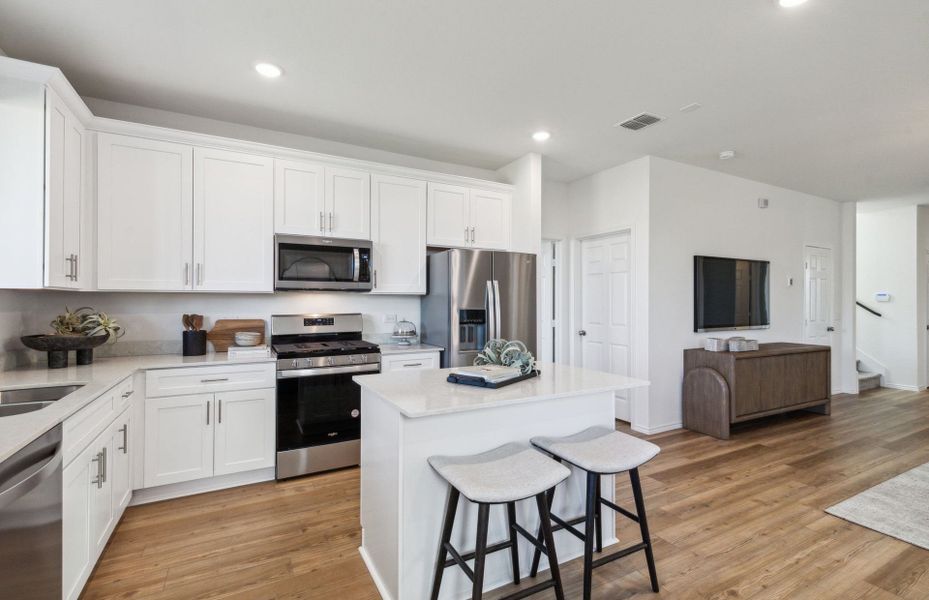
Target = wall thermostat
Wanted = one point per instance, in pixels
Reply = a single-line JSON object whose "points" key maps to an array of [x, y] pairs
{"points": [[882, 297]]}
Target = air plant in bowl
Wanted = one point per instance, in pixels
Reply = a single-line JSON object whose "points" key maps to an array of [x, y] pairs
{"points": [[82, 330], [507, 353]]}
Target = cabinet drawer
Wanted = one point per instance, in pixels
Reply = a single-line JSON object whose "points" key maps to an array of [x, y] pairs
{"points": [[85, 425], [205, 380], [410, 362]]}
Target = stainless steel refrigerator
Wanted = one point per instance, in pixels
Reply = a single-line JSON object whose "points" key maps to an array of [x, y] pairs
{"points": [[476, 295]]}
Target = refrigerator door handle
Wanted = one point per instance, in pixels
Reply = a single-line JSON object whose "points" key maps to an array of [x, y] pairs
{"points": [[491, 313], [497, 316]]}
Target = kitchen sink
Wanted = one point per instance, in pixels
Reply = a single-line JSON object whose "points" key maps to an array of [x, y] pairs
{"points": [[17, 402]]}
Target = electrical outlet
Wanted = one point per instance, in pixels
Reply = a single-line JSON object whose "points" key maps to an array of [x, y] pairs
{"points": [[390, 318]]}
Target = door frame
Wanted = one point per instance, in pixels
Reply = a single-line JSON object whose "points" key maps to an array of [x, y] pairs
{"points": [[576, 317], [559, 318]]}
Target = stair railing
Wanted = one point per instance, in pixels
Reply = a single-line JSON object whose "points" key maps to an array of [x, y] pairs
{"points": [[869, 309]]}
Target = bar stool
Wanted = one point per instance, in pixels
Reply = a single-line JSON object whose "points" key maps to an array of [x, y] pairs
{"points": [[601, 451], [503, 475]]}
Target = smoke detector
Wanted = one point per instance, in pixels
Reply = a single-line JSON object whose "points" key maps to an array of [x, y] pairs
{"points": [[640, 121]]}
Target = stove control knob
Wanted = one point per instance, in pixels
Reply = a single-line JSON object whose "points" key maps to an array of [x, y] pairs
{"points": [[329, 361], [364, 358], [294, 365], [306, 363]]}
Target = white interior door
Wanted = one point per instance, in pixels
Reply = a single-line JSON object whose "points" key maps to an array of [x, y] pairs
{"points": [[606, 309], [817, 321]]}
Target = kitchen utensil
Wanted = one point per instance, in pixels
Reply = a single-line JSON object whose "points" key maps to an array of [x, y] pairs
{"points": [[197, 322], [223, 333]]}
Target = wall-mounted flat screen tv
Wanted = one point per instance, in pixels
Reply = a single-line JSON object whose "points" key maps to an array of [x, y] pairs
{"points": [[731, 293]]}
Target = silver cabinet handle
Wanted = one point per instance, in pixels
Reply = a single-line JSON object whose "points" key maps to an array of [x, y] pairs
{"points": [[220, 401], [466, 235], [214, 380], [125, 431], [322, 221], [75, 263], [98, 480], [472, 235], [70, 261], [104, 464], [207, 412], [186, 273], [127, 394], [199, 273], [413, 364], [330, 222]]}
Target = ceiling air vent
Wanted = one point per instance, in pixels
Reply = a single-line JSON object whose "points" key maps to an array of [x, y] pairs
{"points": [[639, 121]]}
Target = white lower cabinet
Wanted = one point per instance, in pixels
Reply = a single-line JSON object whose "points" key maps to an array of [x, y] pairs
{"points": [[204, 435], [414, 361], [95, 493]]}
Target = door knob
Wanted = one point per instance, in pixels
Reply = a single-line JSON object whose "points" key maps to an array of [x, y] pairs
{"points": [[830, 328], [582, 332]]}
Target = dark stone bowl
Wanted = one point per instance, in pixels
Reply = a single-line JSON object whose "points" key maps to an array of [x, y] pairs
{"points": [[63, 343]]}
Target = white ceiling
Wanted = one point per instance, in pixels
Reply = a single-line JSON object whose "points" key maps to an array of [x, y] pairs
{"points": [[831, 98]]}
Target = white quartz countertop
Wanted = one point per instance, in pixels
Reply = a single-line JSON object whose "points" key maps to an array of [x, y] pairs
{"points": [[426, 393], [18, 430], [388, 349]]}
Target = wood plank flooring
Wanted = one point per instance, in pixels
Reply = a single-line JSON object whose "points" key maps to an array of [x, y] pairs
{"points": [[730, 519]]}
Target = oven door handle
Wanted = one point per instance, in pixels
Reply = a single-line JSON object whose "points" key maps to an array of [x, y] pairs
{"points": [[318, 372]]}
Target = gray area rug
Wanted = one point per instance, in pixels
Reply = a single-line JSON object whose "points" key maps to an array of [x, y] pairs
{"points": [[899, 507]]}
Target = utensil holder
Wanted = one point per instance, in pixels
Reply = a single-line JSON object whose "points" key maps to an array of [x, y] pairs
{"points": [[194, 343]]}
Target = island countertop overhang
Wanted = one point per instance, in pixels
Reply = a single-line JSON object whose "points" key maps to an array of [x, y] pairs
{"points": [[426, 393]]}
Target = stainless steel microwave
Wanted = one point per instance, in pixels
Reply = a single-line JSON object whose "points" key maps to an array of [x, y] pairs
{"points": [[303, 262]]}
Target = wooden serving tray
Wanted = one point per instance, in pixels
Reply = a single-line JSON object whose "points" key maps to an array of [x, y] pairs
{"points": [[478, 382], [223, 333]]}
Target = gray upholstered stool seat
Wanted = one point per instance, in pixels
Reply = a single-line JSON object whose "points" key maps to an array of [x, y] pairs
{"points": [[600, 450], [505, 474]]}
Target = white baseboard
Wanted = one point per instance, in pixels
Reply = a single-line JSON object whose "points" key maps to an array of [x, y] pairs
{"points": [[372, 571], [657, 429], [900, 386], [200, 486]]}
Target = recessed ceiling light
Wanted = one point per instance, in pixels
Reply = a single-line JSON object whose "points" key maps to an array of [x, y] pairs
{"points": [[726, 154], [268, 70], [541, 136], [790, 3]]}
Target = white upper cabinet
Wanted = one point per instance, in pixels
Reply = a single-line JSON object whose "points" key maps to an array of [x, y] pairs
{"points": [[468, 217], [144, 214], [490, 220], [244, 435], [299, 198], [449, 215], [398, 231], [64, 196], [348, 204], [233, 221]]}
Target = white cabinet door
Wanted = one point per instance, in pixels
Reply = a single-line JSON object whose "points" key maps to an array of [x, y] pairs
{"points": [[244, 434], [348, 204], [78, 486], [144, 214], [178, 439], [448, 214], [101, 504], [121, 463], [299, 198], [233, 221], [398, 230], [490, 220], [64, 180]]}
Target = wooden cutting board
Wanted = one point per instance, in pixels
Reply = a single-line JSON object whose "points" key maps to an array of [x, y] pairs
{"points": [[223, 333]]}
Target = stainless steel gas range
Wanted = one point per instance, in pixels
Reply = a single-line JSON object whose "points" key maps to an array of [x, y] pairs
{"points": [[318, 404]]}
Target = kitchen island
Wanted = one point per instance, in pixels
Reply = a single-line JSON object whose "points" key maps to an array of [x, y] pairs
{"points": [[408, 416]]}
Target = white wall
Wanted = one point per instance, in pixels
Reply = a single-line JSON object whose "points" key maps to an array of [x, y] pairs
{"points": [[613, 200], [887, 259], [173, 120], [849, 371], [525, 173], [696, 211]]}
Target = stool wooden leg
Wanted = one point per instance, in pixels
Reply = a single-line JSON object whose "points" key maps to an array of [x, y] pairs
{"points": [[537, 554], [643, 525], [514, 548], [590, 515], [451, 508], [480, 550], [546, 526], [598, 518]]}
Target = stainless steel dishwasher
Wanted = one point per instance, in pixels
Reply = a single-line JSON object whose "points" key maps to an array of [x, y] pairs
{"points": [[30, 520]]}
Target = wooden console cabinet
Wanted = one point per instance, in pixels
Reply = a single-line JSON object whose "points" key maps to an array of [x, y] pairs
{"points": [[721, 388]]}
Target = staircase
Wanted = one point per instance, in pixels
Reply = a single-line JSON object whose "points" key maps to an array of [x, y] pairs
{"points": [[867, 380]]}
